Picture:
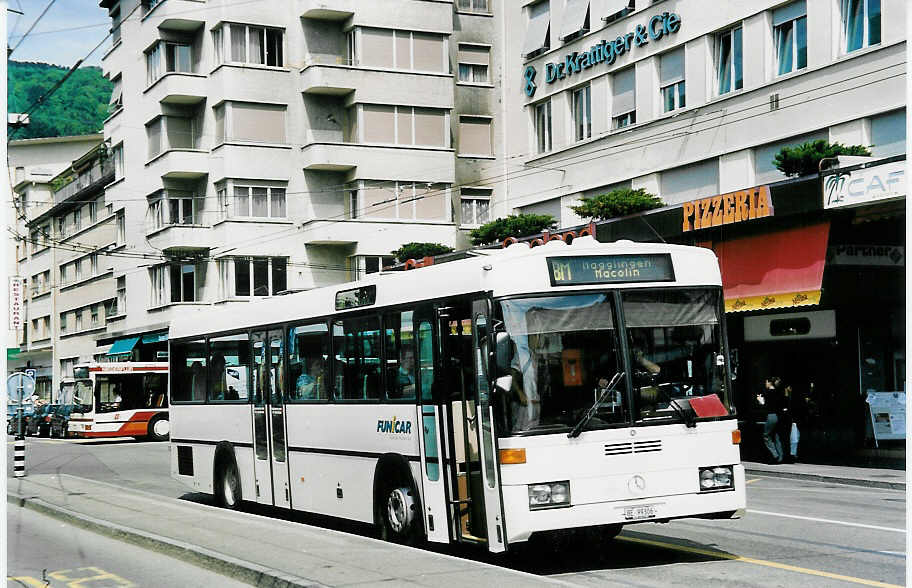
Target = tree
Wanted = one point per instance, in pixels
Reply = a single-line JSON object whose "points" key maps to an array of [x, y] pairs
{"points": [[804, 159], [420, 250], [618, 202], [518, 225]]}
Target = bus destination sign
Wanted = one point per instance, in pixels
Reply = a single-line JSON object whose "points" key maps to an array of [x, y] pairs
{"points": [[610, 269]]}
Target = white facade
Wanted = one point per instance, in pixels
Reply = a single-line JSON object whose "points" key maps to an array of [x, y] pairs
{"points": [[723, 137]]}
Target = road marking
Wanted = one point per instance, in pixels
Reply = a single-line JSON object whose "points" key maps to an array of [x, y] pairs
{"points": [[97, 575], [816, 520], [752, 481], [27, 581], [759, 562]]}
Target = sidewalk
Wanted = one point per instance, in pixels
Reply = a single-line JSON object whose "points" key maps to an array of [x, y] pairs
{"points": [[870, 477], [253, 549]]}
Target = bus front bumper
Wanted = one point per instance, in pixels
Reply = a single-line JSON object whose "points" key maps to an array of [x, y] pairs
{"points": [[521, 522]]}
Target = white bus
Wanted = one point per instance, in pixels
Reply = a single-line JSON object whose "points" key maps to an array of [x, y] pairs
{"points": [[517, 392], [120, 399]]}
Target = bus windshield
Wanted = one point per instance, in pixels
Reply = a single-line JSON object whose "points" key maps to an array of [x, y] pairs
{"points": [[565, 351], [82, 396], [675, 342]]}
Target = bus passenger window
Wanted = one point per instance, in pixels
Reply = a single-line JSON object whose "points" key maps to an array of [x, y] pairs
{"points": [[356, 344], [400, 356], [308, 352], [229, 368], [188, 371], [426, 360]]}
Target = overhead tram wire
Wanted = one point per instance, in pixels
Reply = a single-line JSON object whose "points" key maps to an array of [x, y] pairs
{"points": [[37, 20]]}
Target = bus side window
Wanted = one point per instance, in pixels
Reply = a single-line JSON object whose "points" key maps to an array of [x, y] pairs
{"points": [[426, 360], [229, 359], [308, 352], [356, 345], [188, 371], [399, 356]]}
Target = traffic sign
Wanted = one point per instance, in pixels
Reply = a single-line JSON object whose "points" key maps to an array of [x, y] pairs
{"points": [[20, 386], [31, 373]]}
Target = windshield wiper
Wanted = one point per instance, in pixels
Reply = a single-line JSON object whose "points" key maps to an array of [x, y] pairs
{"points": [[578, 428], [690, 421]]}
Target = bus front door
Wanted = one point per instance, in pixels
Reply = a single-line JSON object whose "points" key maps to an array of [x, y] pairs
{"points": [[476, 503], [270, 467]]}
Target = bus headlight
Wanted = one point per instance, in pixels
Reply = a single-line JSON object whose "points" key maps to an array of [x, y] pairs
{"points": [[549, 495], [716, 478]]}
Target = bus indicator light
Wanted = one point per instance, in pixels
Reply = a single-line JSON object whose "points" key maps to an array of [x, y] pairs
{"points": [[512, 456], [736, 437]]}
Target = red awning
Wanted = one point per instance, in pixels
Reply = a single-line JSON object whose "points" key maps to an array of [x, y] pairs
{"points": [[775, 270]]}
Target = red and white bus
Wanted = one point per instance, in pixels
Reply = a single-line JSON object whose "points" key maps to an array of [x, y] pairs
{"points": [[121, 399]]}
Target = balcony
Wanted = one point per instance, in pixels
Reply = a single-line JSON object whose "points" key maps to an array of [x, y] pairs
{"points": [[377, 86], [100, 173], [400, 14], [268, 159], [175, 238], [189, 164], [175, 15], [178, 88], [379, 162], [372, 236]]}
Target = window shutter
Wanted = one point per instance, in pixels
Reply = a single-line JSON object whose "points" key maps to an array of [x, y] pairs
{"points": [[574, 18], [624, 92], [537, 30], [789, 12], [671, 67]]}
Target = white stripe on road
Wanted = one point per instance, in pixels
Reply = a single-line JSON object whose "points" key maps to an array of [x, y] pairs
{"points": [[847, 524]]}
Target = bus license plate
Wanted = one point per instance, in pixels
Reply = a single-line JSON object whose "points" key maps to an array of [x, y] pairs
{"points": [[638, 513]]}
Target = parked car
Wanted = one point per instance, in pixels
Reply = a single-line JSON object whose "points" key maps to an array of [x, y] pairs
{"points": [[60, 419], [12, 416], [39, 423]]}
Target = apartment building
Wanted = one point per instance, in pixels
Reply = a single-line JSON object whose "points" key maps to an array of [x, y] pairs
{"points": [[691, 101], [49, 175], [266, 147]]}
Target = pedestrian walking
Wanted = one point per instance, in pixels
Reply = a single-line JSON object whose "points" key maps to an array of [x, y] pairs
{"points": [[770, 398], [786, 423]]}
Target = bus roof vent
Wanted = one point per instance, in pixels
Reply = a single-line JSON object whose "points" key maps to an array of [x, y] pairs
{"points": [[585, 241], [555, 243]]}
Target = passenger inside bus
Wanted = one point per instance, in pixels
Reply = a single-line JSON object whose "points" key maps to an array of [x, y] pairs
{"points": [[309, 385], [405, 378], [218, 390]]}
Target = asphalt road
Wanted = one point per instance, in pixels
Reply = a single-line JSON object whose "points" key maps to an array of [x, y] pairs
{"points": [[796, 533], [43, 551]]}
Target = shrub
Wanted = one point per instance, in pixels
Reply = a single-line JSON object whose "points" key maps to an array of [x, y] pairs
{"points": [[420, 250], [619, 202], [518, 225], [804, 159]]}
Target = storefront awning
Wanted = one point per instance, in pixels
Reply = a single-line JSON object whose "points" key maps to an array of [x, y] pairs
{"points": [[154, 338], [775, 270], [122, 346]]}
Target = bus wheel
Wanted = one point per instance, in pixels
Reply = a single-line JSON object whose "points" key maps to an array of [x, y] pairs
{"points": [[228, 486], [159, 427], [397, 509]]}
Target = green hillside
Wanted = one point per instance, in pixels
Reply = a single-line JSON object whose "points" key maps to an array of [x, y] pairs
{"points": [[78, 107]]}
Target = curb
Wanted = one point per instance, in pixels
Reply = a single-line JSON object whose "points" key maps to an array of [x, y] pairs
{"points": [[225, 565], [829, 479]]}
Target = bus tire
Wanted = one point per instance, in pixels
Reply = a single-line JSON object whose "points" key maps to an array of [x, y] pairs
{"points": [[398, 509], [227, 484], [159, 428]]}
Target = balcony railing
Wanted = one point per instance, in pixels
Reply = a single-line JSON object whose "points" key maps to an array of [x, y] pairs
{"points": [[99, 170]]}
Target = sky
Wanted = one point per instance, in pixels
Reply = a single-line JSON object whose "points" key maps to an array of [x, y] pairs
{"points": [[69, 30]]}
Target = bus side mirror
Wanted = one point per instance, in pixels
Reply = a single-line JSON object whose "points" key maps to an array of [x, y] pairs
{"points": [[502, 353]]}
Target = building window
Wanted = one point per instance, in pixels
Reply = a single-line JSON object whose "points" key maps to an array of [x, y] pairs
{"points": [[120, 302], [93, 212], [64, 275], [369, 264], [729, 74], [888, 134], [79, 320], [479, 6], [543, 126], [404, 125], [174, 207], [121, 229], [255, 276], [401, 200], [671, 84], [93, 312], [118, 154], [63, 322], [474, 63], [538, 29], [249, 44], [116, 102], [581, 111], [689, 182], [115, 26], [630, 7], [166, 57], [475, 136], [790, 37], [575, 21], [259, 202], [402, 50], [77, 220], [623, 104], [860, 23], [475, 204], [249, 122]]}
